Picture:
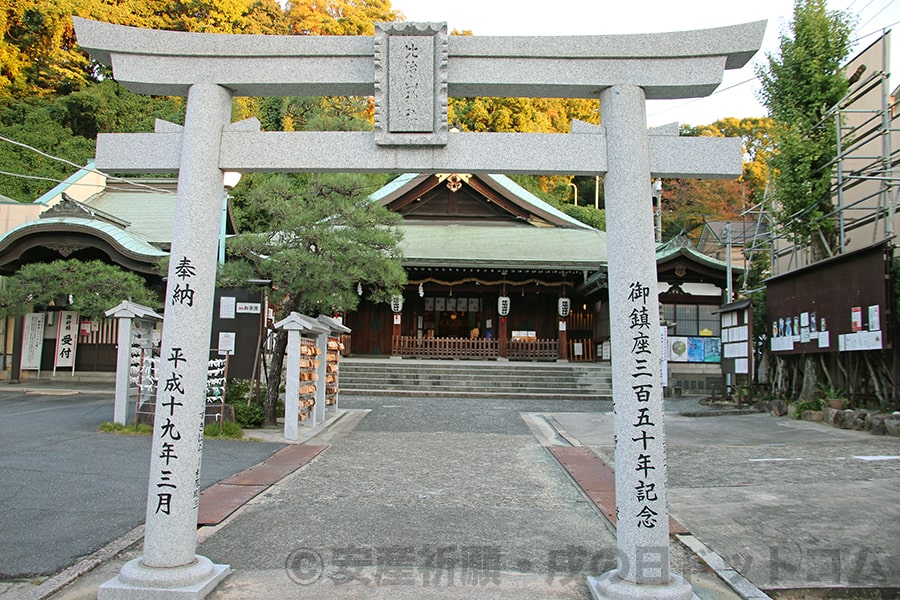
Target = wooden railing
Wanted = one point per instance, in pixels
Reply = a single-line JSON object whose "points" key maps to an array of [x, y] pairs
{"points": [[539, 349], [463, 348], [450, 347]]}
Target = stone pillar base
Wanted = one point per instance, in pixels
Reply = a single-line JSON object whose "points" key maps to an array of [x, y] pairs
{"points": [[609, 587], [138, 582]]}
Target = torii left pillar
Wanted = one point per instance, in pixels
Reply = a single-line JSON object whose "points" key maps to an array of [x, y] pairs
{"points": [[169, 567]]}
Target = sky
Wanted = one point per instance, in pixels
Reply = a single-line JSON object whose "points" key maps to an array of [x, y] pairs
{"points": [[736, 97]]}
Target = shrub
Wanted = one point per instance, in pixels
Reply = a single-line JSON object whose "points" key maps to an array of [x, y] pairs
{"points": [[141, 429], [802, 407], [248, 415]]}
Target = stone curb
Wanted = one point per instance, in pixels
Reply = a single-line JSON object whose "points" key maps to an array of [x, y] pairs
{"points": [[737, 582]]}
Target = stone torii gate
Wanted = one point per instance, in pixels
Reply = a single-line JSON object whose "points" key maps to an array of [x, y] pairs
{"points": [[411, 69]]}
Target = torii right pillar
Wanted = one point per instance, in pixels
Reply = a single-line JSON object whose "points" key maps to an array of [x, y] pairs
{"points": [[642, 514]]}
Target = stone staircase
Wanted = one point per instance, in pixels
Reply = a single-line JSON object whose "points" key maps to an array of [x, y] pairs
{"points": [[475, 379]]}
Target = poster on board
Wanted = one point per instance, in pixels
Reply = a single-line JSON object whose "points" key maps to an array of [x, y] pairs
{"points": [[32, 341]]}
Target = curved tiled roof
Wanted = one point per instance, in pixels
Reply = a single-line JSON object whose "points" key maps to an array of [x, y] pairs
{"points": [[485, 246], [677, 247], [133, 251], [129, 242]]}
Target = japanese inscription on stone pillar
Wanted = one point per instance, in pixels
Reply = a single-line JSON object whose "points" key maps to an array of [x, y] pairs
{"points": [[644, 428]]}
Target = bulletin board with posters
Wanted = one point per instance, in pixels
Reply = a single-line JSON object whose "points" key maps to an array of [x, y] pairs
{"points": [[842, 304], [236, 327]]}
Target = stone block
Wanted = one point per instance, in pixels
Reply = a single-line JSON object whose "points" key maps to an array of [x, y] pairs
{"points": [[875, 424], [892, 425], [844, 419], [778, 408], [812, 415]]}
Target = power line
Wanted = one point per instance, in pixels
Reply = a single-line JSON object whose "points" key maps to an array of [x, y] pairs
{"points": [[692, 100], [872, 18], [75, 183], [39, 178], [75, 165], [752, 79]]}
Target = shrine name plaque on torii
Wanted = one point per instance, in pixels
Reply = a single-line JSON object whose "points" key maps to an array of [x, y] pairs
{"points": [[412, 69]]}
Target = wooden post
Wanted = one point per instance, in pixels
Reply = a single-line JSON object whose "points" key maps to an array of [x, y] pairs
{"points": [[563, 340]]}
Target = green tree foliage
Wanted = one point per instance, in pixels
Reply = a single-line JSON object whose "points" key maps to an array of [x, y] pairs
{"points": [[107, 107], [555, 191], [94, 287], [39, 54], [38, 49], [687, 203], [587, 215], [66, 127], [799, 85], [523, 115], [534, 115], [323, 239], [54, 100], [37, 122]]}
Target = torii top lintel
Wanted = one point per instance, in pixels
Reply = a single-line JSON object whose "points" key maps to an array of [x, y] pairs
{"points": [[412, 69], [682, 64]]}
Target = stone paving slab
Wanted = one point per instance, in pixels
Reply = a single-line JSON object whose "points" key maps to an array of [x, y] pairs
{"points": [[388, 514], [282, 463], [598, 480], [218, 501]]}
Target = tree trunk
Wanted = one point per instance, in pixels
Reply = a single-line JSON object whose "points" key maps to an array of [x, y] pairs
{"points": [[877, 382], [778, 384], [276, 370], [810, 386]]}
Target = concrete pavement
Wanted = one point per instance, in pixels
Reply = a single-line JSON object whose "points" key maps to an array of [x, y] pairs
{"points": [[67, 489], [793, 506], [445, 498]]}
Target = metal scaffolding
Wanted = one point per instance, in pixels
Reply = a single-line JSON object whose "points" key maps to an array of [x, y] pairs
{"points": [[866, 182]]}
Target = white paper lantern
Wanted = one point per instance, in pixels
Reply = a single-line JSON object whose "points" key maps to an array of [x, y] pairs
{"points": [[503, 305]]}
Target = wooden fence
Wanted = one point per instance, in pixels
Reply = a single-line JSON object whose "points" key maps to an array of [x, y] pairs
{"points": [[465, 348], [532, 349], [448, 347]]}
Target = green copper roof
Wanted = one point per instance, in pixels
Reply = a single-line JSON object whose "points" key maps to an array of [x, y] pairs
{"points": [[538, 204], [562, 243], [501, 184], [502, 246], [679, 246], [149, 214], [128, 242]]}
